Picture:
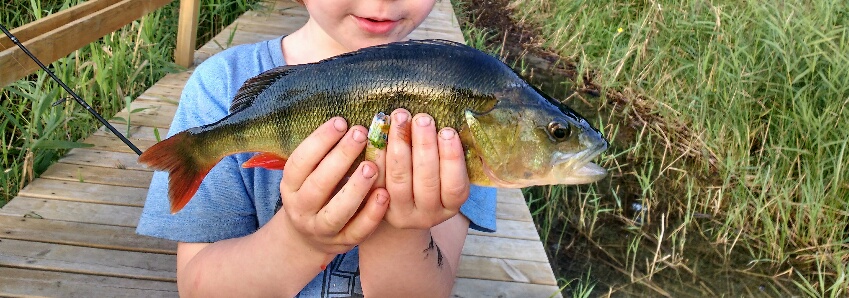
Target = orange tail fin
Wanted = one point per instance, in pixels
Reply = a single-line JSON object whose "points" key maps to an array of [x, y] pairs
{"points": [[186, 171]]}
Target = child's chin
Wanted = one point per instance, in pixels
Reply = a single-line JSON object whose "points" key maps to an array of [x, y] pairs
{"points": [[359, 44]]}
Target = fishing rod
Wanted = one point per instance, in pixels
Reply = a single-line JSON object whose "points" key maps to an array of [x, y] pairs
{"points": [[73, 94]]}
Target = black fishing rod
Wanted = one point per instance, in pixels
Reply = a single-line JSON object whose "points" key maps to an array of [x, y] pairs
{"points": [[73, 94]]}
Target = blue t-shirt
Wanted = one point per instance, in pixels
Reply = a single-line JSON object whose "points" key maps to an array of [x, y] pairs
{"points": [[233, 201]]}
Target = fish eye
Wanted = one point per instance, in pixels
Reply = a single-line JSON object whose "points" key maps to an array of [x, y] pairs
{"points": [[559, 132]]}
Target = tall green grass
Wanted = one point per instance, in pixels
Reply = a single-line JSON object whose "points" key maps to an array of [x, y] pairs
{"points": [[119, 65], [730, 131]]}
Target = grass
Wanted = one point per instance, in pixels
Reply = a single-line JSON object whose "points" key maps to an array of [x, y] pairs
{"points": [[729, 159], [105, 73]]}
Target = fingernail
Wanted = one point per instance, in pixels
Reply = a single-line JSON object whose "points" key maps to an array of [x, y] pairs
{"points": [[423, 121], [401, 117], [339, 124], [381, 199], [447, 134], [368, 172], [359, 136]]}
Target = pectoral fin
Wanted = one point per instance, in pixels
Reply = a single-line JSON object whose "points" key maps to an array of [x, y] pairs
{"points": [[266, 160]]}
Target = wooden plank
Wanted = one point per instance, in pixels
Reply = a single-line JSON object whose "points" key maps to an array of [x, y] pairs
{"points": [[260, 27], [466, 287], [169, 91], [510, 196], [513, 212], [75, 191], [504, 248], [87, 260], [82, 234], [281, 7], [512, 229], [98, 175], [136, 132], [224, 41], [16, 282], [174, 80], [284, 8], [169, 95], [102, 158], [187, 31], [123, 216], [440, 24], [146, 113], [71, 36], [295, 17], [505, 270], [33, 29], [112, 143], [292, 15], [424, 34]]}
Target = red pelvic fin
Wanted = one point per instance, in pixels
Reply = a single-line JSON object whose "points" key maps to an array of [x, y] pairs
{"points": [[185, 171], [266, 160]]}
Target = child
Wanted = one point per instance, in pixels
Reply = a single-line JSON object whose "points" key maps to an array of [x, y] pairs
{"points": [[256, 232]]}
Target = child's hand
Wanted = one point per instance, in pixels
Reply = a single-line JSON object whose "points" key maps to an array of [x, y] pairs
{"points": [[425, 172], [324, 218]]}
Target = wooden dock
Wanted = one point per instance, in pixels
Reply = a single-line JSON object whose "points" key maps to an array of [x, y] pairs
{"points": [[71, 232]]}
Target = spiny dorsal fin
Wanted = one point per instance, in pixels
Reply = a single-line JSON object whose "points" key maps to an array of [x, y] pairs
{"points": [[254, 86]]}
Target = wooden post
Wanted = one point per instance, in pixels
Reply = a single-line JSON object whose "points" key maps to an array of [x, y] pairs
{"points": [[187, 30]]}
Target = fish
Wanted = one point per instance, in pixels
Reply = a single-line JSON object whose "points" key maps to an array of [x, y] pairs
{"points": [[513, 134]]}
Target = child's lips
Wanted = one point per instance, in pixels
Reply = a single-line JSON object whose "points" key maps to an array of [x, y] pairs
{"points": [[376, 25]]}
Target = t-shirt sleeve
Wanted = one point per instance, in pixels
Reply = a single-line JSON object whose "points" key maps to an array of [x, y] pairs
{"points": [[222, 207], [480, 208]]}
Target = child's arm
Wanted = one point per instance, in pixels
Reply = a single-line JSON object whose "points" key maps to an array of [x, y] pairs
{"points": [[417, 250], [409, 263], [314, 224]]}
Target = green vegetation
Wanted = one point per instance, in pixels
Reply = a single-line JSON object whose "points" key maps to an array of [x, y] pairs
{"points": [[118, 66], [730, 127]]}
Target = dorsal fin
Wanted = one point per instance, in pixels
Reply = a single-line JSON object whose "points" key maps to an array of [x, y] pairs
{"points": [[254, 86]]}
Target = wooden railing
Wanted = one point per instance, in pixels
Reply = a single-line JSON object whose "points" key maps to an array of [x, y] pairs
{"points": [[61, 33]]}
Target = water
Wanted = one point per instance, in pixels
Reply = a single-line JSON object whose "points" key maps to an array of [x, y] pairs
{"points": [[622, 257]]}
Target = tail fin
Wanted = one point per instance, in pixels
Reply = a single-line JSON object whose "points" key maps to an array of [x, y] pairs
{"points": [[186, 171]]}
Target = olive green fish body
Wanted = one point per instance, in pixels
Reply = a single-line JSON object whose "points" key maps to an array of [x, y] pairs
{"points": [[460, 87]]}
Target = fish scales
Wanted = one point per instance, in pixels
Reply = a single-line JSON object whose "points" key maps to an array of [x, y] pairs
{"points": [[359, 87], [276, 110]]}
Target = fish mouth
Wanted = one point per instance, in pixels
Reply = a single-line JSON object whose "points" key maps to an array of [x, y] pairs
{"points": [[566, 168], [580, 160], [579, 165], [577, 168]]}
